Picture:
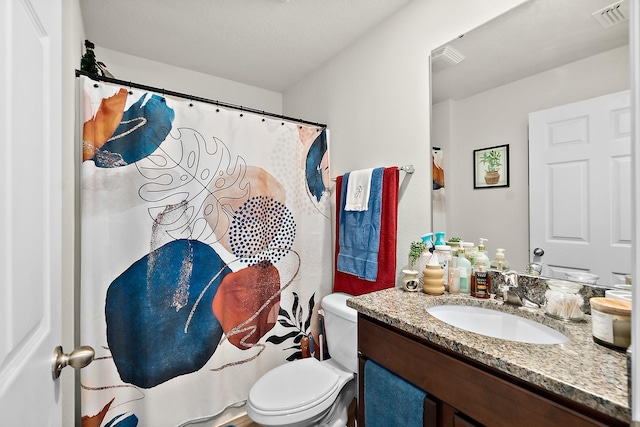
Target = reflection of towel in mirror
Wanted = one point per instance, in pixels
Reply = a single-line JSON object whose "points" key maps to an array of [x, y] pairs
{"points": [[358, 190], [360, 232], [390, 401]]}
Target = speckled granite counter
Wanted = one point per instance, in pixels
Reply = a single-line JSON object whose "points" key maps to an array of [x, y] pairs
{"points": [[580, 370]]}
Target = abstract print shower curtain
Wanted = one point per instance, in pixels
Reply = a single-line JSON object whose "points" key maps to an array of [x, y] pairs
{"points": [[205, 248]]}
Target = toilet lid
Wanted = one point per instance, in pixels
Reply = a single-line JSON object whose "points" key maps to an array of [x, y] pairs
{"points": [[294, 386]]}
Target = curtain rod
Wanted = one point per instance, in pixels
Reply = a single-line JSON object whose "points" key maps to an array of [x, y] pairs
{"points": [[194, 98]]}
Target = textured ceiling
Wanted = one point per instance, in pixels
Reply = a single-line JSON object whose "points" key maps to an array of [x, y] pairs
{"points": [[529, 39], [270, 44]]}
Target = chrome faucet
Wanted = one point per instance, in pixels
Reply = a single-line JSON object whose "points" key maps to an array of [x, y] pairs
{"points": [[512, 293]]}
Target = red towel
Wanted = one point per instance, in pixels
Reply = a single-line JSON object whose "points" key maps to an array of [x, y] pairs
{"points": [[344, 282]]}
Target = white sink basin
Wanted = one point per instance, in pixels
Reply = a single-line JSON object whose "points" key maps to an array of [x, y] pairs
{"points": [[496, 324]]}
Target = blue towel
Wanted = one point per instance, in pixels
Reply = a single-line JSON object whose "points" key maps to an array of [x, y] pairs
{"points": [[360, 232], [390, 401]]}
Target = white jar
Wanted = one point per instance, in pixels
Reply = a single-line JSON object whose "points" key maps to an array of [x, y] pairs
{"points": [[611, 322]]}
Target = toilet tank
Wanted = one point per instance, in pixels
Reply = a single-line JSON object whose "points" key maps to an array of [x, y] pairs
{"points": [[341, 329]]}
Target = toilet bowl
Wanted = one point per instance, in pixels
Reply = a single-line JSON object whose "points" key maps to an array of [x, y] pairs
{"points": [[309, 392]]}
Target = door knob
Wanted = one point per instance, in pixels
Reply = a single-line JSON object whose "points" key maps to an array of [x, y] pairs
{"points": [[538, 251], [78, 358]]}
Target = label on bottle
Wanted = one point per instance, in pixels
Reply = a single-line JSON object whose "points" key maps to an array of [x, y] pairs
{"points": [[482, 284]]}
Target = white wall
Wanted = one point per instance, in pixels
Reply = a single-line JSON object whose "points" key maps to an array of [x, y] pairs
{"points": [[156, 74], [375, 98], [500, 116]]}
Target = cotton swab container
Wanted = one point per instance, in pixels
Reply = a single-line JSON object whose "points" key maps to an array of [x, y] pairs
{"points": [[563, 300]]}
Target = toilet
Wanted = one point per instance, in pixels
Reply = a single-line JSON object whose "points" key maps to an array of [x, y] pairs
{"points": [[309, 392]]}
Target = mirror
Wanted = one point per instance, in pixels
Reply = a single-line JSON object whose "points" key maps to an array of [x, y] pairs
{"points": [[539, 55]]}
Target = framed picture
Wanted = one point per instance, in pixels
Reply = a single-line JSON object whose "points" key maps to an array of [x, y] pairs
{"points": [[491, 167]]}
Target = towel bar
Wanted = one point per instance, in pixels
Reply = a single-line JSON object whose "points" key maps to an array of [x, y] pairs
{"points": [[405, 168]]}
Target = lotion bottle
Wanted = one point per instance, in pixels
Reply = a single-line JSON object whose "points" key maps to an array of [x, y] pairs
{"points": [[499, 263], [483, 259]]}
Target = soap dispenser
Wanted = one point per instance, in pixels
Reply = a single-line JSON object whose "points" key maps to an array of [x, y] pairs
{"points": [[499, 263], [483, 259]]}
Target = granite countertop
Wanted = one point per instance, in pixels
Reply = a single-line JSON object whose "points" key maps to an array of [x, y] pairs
{"points": [[580, 369]]}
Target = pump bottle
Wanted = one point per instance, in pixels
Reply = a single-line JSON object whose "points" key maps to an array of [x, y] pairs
{"points": [[499, 263], [483, 259]]}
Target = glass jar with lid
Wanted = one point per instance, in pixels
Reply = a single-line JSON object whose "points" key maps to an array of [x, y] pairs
{"points": [[564, 301], [444, 258]]}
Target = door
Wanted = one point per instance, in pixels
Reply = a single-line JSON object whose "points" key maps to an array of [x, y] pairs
{"points": [[580, 187], [30, 210]]}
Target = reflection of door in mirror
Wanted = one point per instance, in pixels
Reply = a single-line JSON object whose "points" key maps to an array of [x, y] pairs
{"points": [[541, 54], [580, 180]]}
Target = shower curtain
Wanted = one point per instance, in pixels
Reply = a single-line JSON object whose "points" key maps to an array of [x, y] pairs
{"points": [[205, 248]]}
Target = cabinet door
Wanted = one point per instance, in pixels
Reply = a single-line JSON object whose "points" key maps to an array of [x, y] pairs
{"points": [[430, 412], [460, 421]]}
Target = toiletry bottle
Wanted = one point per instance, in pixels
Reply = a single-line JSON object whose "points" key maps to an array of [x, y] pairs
{"points": [[440, 238], [464, 262], [454, 287], [470, 252], [465, 287], [482, 258], [453, 265], [499, 263], [480, 283]]}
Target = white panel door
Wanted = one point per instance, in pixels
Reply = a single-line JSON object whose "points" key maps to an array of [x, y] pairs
{"points": [[580, 187], [30, 213]]}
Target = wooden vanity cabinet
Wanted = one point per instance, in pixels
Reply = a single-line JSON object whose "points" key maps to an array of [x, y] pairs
{"points": [[462, 392]]}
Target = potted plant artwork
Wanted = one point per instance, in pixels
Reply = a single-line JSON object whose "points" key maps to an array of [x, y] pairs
{"points": [[493, 161]]}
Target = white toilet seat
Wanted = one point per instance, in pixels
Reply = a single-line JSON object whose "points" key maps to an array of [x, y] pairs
{"points": [[296, 391]]}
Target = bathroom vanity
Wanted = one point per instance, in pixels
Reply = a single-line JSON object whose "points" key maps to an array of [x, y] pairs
{"points": [[474, 380]]}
